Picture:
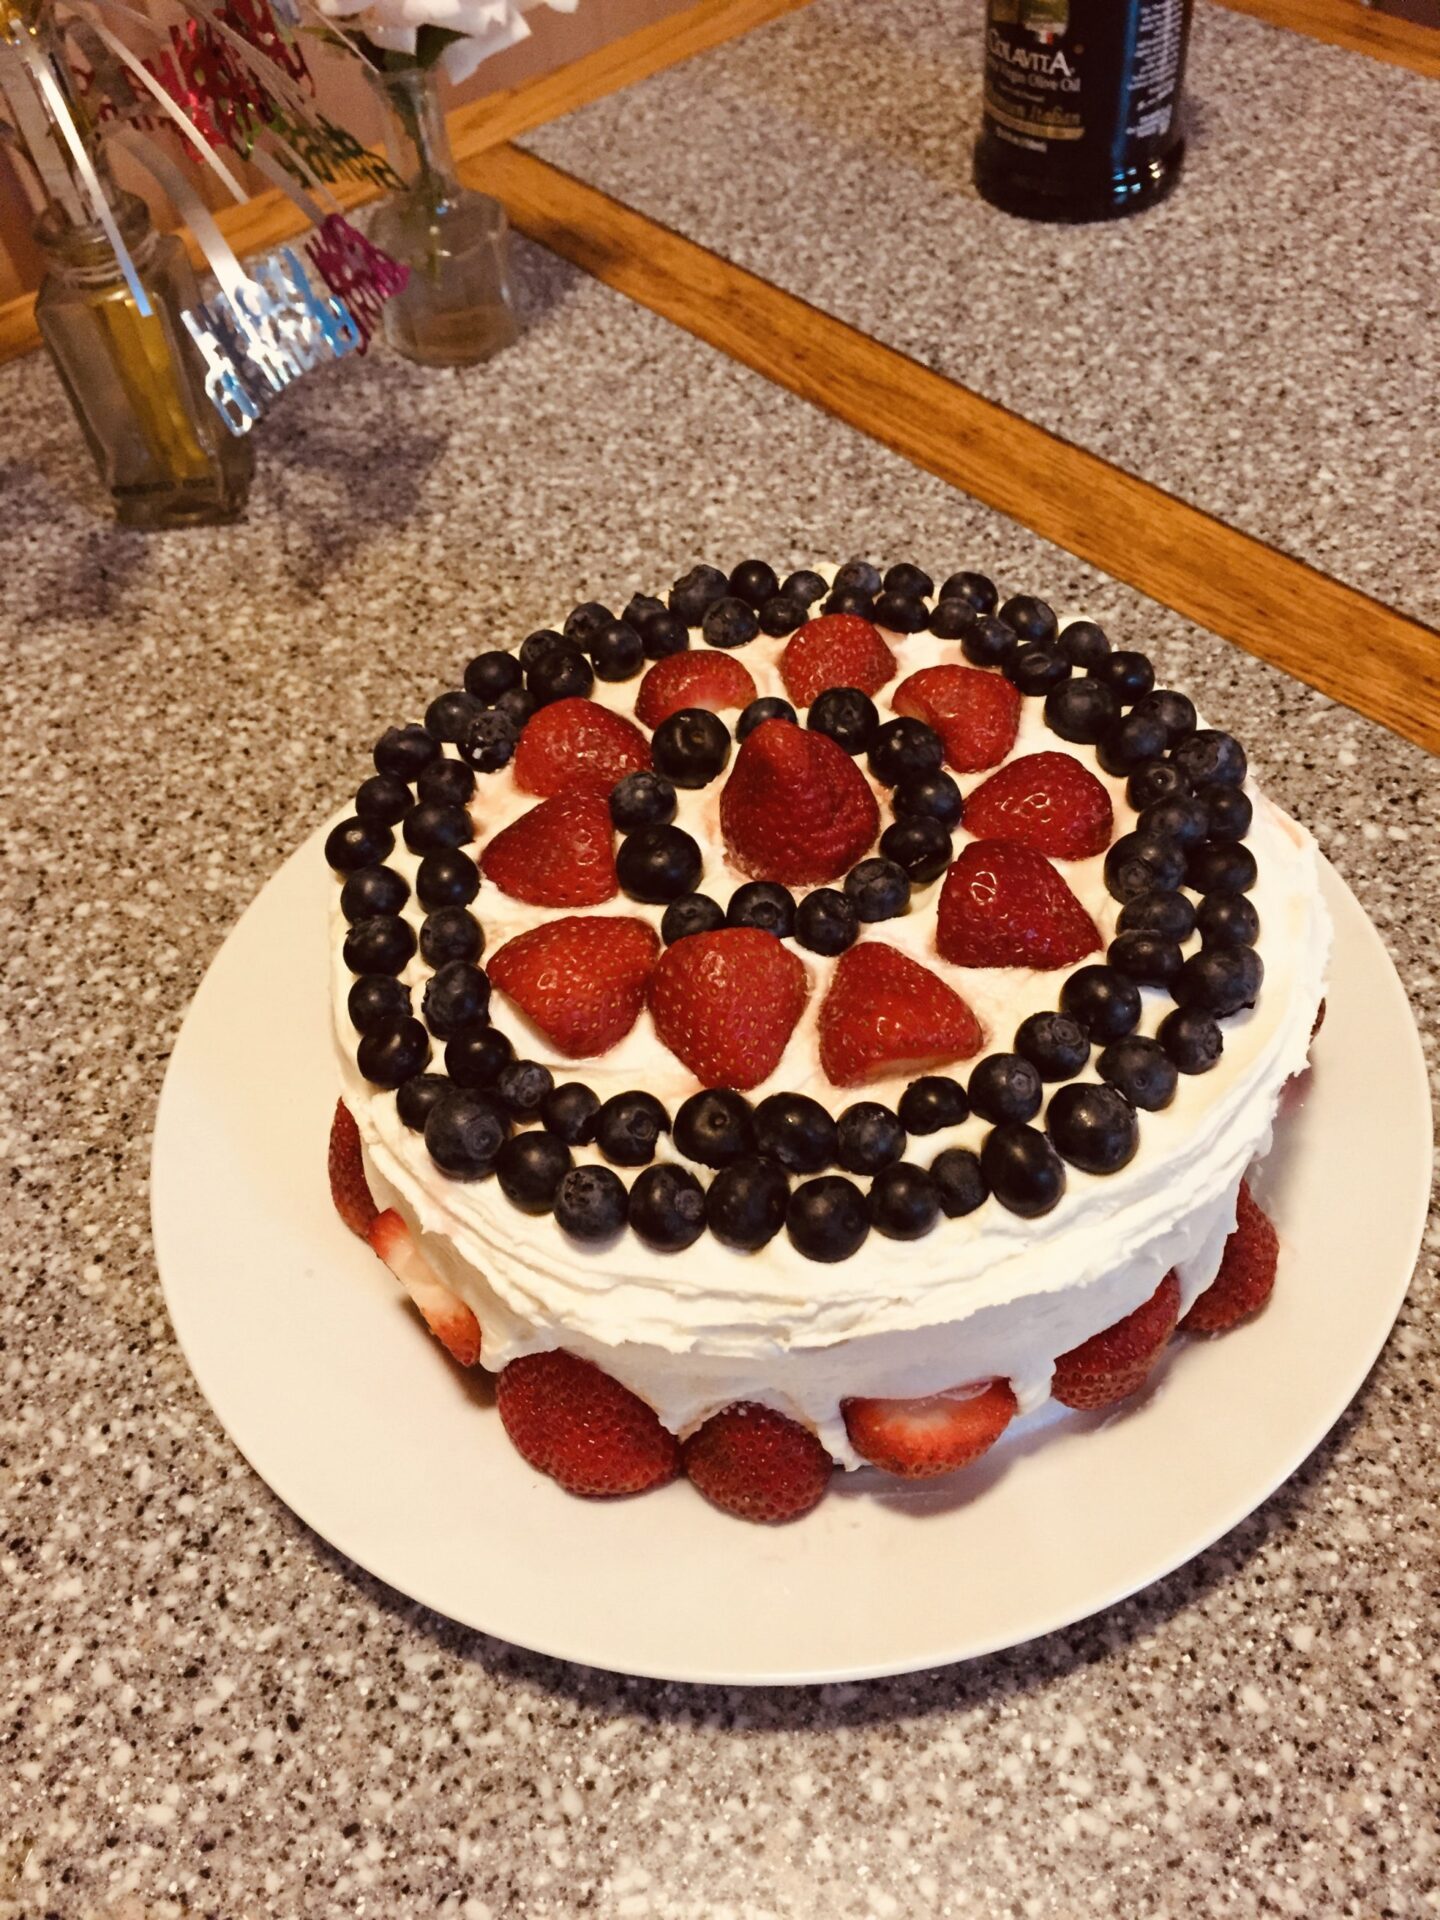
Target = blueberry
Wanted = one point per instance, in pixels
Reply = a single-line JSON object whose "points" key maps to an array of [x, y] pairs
{"points": [[640, 610], [1004, 1086], [929, 796], [450, 933], [1081, 710], [561, 673], [1220, 980], [436, 827], [383, 943], [450, 714], [1147, 958], [1029, 618], [393, 1051], [383, 799], [1083, 644], [715, 1127], [665, 634], [1227, 920], [591, 1203], [901, 612], [848, 600], [691, 747], [745, 1204], [667, 1208], [795, 1131], [958, 1181], [1174, 711], [464, 1131], [373, 890], [1134, 738], [754, 582], [375, 997], [904, 577], [404, 751], [921, 847], [449, 781], [1223, 869], [868, 1136], [522, 1087], [492, 673], [455, 996], [903, 748], [859, 576], [804, 587], [691, 913], [1037, 670], [826, 921], [475, 1057], [1141, 1070], [952, 619], [878, 889], [1054, 1044], [658, 864], [1105, 1003], [358, 843], [1156, 780], [780, 616], [536, 646], [449, 879], [696, 591], [628, 1126], [974, 589], [1212, 759], [1192, 1038], [1129, 677], [730, 623], [1229, 812], [517, 707], [1186, 822], [846, 716], [759, 711], [987, 642], [1021, 1168], [414, 1100], [490, 741], [642, 800], [617, 652], [763, 904], [904, 1202], [1143, 863], [530, 1168], [931, 1102], [582, 623], [1094, 1128], [1169, 914], [569, 1112], [827, 1219]]}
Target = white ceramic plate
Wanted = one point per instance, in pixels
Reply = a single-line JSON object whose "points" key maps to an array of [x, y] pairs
{"points": [[328, 1383]]}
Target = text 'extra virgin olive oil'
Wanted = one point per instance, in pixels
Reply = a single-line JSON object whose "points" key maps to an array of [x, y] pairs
{"points": [[1082, 106]]}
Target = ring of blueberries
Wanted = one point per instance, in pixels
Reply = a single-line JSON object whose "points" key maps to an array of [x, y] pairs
{"points": [[771, 1161]]}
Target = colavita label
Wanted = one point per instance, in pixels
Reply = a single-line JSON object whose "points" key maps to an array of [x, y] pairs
{"points": [[1100, 71]]}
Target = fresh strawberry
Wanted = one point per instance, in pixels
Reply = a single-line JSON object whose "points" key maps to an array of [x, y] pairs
{"points": [[1046, 801], [580, 979], [559, 854], [572, 1421], [976, 715], [837, 650], [725, 1003], [571, 740], [701, 679], [444, 1312], [1247, 1272], [1114, 1364], [1004, 905], [349, 1188], [885, 1013], [753, 1462], [937, 1434], [796, 808]]}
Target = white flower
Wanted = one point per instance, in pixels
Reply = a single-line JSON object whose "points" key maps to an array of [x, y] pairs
{"points": [[488, 26]]}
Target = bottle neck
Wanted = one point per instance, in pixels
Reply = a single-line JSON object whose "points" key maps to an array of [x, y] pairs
{"points": [[82, 256], [414, 98]]}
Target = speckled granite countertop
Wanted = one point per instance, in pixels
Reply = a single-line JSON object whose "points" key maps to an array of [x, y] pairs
{"points": [[1266, 344], [206, 1711]]}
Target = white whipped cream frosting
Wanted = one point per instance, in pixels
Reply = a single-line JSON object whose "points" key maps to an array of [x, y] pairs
{"points": [[988, 1295]]}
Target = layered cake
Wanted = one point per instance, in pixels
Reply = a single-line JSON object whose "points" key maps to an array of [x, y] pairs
{"points": [[805, 1024]]}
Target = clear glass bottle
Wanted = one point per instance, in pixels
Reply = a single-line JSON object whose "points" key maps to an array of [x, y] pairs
{"points": [[136, 382], [457, 308]]}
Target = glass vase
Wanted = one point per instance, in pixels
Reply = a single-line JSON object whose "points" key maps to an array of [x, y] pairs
{"points": [[456, 309]]}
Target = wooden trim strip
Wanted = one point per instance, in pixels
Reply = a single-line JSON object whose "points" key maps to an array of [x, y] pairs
{"points": [[1346, 23], [1327, 634]]}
